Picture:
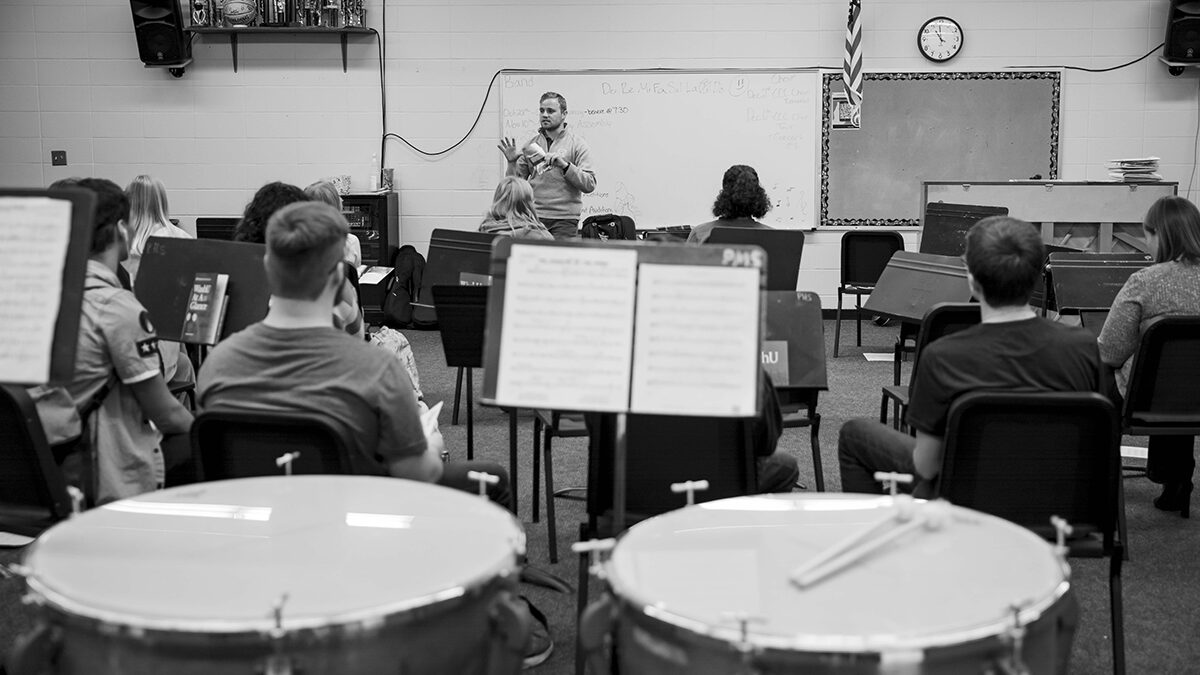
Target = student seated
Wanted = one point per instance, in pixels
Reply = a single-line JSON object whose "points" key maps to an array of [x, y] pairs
{"points": [[296, 361], [513, 212], [118, 374], [1170, 286], [1011, 349], [741, 202], [324, 191]]}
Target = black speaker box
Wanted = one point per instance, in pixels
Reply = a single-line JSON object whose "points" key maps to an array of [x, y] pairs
{"points": [[158, 26], [1183, 32]]}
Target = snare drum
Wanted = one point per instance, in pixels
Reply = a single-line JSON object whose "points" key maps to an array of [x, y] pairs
{"points": [[299, 574], [707, 589]]}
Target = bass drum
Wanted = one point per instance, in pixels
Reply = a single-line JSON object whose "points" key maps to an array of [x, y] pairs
{"points": [[707, 589], [298, 574]]}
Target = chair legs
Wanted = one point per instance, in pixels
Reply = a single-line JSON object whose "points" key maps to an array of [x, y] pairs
{"points": [[551, 518], [471, 418], [537, 462], [1117, 611], [457, 395], [581, 598], [858, 317], [815, 423], [837, 326]]}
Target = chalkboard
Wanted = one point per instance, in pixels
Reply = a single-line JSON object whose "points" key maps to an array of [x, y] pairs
{"points": [[984, 126], [660, 140]]}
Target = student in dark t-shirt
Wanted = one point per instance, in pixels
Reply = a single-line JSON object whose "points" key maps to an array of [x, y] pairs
{"points": [[1012, 349]]}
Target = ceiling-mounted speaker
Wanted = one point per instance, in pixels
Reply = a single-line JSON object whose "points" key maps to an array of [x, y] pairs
{"points": [[158, 26], [1183, 32]]}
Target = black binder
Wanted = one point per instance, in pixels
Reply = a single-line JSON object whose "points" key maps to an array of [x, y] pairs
{"points": [[452, 253], [944, 231], [914, 282]]}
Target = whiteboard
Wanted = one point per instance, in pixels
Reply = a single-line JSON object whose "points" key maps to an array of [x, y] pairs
{"points": [[661, 140]]}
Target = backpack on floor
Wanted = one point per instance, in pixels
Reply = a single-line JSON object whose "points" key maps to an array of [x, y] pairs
{"points": [[404, 287], [608, 226]]}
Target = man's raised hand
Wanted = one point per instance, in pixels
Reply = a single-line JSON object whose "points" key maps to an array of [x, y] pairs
{"points": [[509, 147]]}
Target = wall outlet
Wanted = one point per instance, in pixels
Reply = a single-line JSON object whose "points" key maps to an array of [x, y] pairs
{"points": [[58, 158]]}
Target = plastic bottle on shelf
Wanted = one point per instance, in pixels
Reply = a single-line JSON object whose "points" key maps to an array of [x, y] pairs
{"points": [[373, 179]]}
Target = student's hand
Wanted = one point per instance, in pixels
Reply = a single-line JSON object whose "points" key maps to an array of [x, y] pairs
{"points": [[509, 147]]}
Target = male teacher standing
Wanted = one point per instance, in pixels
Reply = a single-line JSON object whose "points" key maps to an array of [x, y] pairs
{"points": [[557, 163]]}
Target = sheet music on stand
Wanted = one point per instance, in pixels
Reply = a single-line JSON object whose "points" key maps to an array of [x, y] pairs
{"points": [[624, 327], [45, 236]]}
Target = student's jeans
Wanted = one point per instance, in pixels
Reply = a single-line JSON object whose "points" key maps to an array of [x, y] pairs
{"points": [[562, 229]]}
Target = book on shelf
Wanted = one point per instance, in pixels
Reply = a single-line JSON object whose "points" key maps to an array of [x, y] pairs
{"points": [[204, 315]]}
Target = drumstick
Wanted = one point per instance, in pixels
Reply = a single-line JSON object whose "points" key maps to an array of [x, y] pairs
{"points": [[903, 512]]}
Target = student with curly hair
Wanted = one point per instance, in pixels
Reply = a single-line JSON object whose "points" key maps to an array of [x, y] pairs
{"points": [[741, 203], [269, 199]]}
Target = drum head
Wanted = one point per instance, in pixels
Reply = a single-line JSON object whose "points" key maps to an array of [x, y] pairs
{"points": [[696, 567], [217, 557]]}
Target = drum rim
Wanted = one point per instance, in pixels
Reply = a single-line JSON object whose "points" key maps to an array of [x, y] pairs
{"points": [[844, 644], [378, 615]]}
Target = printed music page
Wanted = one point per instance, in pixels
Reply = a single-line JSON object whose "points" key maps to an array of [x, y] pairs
{"points": [[696, 348], [567, 331], [34, 232]]}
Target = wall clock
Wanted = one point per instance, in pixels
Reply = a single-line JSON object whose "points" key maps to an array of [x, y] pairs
{"points": [[940, 39]]}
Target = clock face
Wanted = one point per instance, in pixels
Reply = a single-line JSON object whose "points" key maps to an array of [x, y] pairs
{"points": [[940, 38]]}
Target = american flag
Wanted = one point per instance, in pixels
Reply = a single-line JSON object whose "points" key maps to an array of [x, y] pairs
{"points": [[852, 76]]}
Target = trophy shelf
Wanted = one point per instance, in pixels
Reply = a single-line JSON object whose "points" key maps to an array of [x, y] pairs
{"points": [[235, 31]]}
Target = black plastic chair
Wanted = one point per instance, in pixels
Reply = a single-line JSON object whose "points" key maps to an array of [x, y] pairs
{"points": [[462, 318], [783, 247], [1028, 456], [799, 408], [228, 444], [548, 424], [33, 492], [864, 255], [941, 320], [216, 227], [1163, 396]]}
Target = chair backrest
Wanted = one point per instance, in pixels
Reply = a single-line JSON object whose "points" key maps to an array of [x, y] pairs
{"points": [[1164, 381], [1028, 456], [30, 481], [666, 449], [462, 317], [783, 248], [228, 444], [216, 227], [865, 253], [944, 319]]}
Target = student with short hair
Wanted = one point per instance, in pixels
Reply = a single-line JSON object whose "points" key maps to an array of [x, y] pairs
{"points": [[118, 368], [296, 361]]}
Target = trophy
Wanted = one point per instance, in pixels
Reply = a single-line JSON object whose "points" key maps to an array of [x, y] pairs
{"points": [[202, 13]]}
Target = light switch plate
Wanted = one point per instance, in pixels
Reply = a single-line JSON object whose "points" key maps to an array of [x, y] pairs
{"points": [[58, 158]]}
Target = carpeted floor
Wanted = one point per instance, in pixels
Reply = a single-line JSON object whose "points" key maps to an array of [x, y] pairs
{"points": [[1161, 579]]}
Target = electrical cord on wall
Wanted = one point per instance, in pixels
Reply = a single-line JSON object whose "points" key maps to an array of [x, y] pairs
{"points": [[1102, 70], [1195, 144]]}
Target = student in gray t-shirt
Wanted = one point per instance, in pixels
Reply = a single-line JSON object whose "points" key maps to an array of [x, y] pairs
{"points": [[295, 361]]}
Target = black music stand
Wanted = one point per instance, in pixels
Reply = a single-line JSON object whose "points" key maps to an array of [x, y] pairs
{"points": [[1089, 281], [944, 228], [169, 266], [20, 230], [783, 247], [793, 354], [452, 254], [914, 282]]}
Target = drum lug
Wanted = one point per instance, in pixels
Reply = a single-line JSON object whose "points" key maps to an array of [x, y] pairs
{"points": [[1014, 638], [747, 649], [596, 549]]}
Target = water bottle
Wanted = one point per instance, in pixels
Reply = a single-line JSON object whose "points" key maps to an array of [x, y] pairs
{"points": [[373, 179]]}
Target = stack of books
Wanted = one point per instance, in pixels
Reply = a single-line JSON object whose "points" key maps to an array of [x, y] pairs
{"points": [[1138, 170]]}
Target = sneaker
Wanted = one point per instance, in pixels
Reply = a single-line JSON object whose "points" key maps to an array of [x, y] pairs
{"points": [[540, 646]]}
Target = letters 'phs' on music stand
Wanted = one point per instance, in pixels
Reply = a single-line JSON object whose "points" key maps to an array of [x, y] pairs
{"points": [[170, 265], [42, 230], [624, 327], [1090, 281], [914, 282], [944, 227]]}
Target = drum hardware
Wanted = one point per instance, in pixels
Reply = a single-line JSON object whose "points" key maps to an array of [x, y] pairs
{"points": [[1062, 530], [595, 548], [691, 487], [285, 460], [484, 480], [892, 480], [77, 499], [445, 456], [930, 516], [1014, 664], [13, 571], [747, 649], [277, 663]]}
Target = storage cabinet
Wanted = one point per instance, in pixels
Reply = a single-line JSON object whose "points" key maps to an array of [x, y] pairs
{"points": [[374, 218]]}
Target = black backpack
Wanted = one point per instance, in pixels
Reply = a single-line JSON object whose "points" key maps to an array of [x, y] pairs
{"points": [[608, 226], [404, 288]]}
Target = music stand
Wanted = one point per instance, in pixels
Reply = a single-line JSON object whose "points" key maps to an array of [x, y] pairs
{"points": [[944, 228], [44, 231], [452, 254], [913, 282], [783, 247], [1090, 281], [169, 267]]}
